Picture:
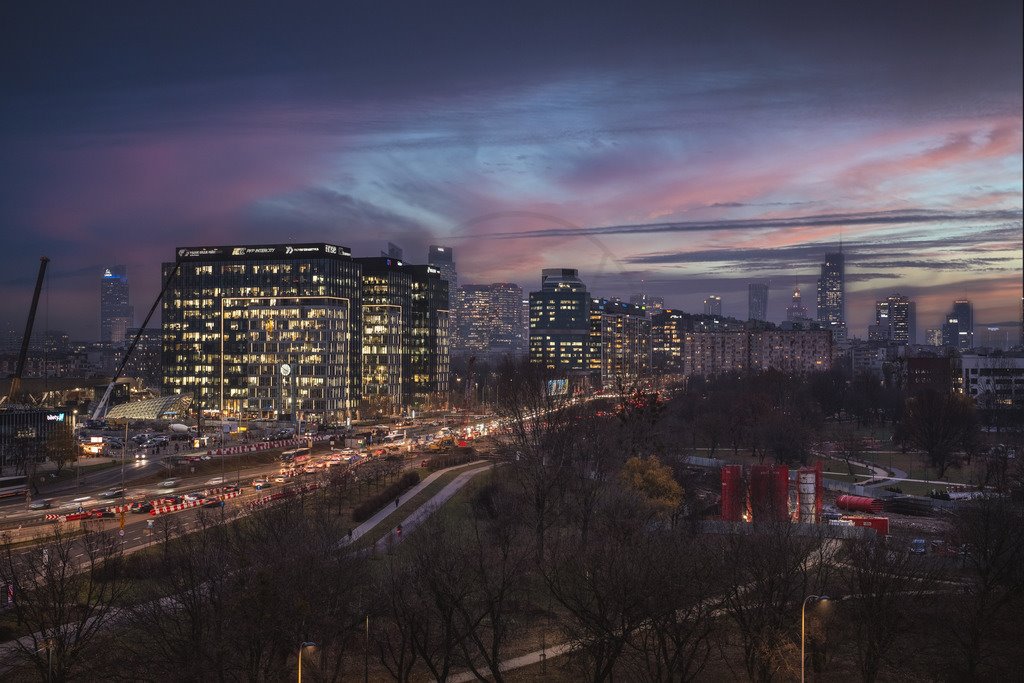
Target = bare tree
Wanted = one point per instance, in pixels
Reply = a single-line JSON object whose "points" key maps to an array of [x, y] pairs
{"points": [[885, 586], [769, 569], [991, 535], [940, 424], [65, 587]]}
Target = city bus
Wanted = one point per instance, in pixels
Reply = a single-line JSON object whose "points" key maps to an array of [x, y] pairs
{"points": [[13, 486]]}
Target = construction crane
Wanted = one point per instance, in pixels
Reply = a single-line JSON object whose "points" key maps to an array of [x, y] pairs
{"points": [[101, 407], [15, 388]]}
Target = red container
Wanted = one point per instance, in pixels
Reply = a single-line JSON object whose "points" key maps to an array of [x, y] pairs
{"points": [[879, 524], [859, 503], [760, 493], [732, 482], [780, 493]]}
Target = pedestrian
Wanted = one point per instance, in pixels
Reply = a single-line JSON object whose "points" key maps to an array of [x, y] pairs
{"points": [[396, 503]]}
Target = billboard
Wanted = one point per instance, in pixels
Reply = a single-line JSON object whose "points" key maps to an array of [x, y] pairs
{"points": [[558, 387]]}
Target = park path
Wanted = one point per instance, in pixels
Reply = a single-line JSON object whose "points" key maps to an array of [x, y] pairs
{"points": [[383, 513]]}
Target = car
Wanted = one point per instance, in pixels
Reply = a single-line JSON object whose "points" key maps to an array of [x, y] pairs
{"points": [[194, 497], [280, 479], [39, 505], [918, 547], [169, 483], [229, 488], [113, 493], [260, 483], [141, 455], [212, 503], [141, 508], [216, 481]]}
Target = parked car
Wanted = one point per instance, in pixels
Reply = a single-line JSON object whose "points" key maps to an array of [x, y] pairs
{"points": [[260, 483], [141, 508], [194, 497], [39, 505]]}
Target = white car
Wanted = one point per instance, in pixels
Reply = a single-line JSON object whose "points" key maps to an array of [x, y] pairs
{"points": [[193, 497], [216, 481], [169, 483]]}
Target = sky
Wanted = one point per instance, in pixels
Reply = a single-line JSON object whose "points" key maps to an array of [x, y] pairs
{"points": [[678, 149]]}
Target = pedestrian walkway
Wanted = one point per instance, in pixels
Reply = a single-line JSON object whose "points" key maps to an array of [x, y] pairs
{"points": [[420, 514], [383, 513]]}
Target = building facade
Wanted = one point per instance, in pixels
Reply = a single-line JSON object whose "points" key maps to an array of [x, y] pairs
{"points": [[895, 321], [116, 313], [995, 380], [491, 320], [796, 311], [790, 351], [265, 331], [620, 343]]}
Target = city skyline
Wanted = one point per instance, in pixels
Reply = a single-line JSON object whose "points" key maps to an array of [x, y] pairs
{"points": [[724, 148]]}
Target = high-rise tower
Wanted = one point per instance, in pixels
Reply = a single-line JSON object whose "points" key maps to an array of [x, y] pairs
{"points": [[116, 315], [832, 295], [757, 301]]}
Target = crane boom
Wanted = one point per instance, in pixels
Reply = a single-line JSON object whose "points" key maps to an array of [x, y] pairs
{"points": [[15, 388], [100, 410]]}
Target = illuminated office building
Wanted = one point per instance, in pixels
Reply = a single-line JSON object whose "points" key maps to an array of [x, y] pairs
{"points": [[560, 321], [832, 295], [265, 331], [116, 315], [620, 343], [958, 329]]}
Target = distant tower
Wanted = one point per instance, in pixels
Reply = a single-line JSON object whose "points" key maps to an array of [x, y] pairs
{"points": [[832, 295], [116, 315], [796, 311], [757, 301], [958, 329], [713, 305]]}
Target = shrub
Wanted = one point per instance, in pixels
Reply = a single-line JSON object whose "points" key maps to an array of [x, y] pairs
{"points": [[441, 462], [371, 505]]}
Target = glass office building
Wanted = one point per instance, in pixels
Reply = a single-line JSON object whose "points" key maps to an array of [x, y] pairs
{"points": [[265, 331]]}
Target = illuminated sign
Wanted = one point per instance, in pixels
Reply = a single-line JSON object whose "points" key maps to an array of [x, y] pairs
{"points": [[55, 417], [261, 251]]}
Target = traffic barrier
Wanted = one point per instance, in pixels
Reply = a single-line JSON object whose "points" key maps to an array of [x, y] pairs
{"points": [[55, 518], [164, 509]]}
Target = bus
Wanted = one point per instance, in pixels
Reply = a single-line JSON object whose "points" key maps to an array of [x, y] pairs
{"points": [[13, 486]]}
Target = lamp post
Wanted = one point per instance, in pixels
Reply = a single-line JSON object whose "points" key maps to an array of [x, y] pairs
{"points": [[803, 628], [301, 648]]}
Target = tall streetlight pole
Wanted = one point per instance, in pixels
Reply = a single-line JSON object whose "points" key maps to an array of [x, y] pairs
{"points": [[301, 648], [803, 629]]}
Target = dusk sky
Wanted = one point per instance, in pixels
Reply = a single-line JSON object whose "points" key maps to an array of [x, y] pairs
{"points": [[680, 149]]}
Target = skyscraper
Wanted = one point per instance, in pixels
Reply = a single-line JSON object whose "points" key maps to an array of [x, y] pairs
{"points": [[713, 305], [895, 320], [490, 318], [620, 342], [796, 311], [560, 321], [443, 258], [958, 329], [651, 304], [757, 301], [832, 295], [116, 315]]}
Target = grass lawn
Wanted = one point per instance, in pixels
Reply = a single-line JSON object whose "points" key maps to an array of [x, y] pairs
{"points": [[410, 504]]}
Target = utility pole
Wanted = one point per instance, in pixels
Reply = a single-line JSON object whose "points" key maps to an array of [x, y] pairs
{"points": [[124, 451]]}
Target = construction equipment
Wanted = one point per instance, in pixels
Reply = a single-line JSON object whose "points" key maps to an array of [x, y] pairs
{"points": [[15, 389], [101, 407]]}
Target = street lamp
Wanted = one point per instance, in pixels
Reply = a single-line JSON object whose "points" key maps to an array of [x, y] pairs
{"points": [[301, 648], [803, 628]]}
